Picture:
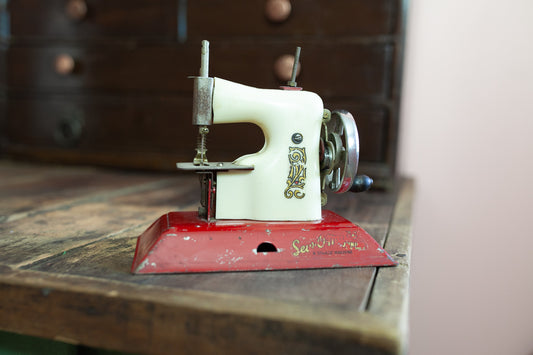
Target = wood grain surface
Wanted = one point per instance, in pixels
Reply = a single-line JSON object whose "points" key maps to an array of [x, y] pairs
{"points": [[67, 237]]}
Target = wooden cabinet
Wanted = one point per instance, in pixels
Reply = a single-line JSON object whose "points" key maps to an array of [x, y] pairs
{"points": [[105, 82]]}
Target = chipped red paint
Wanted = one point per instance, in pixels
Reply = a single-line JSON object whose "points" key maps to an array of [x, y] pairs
{"points": [[180, 242]]}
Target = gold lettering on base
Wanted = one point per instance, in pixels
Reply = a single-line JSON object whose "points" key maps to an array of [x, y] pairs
{"points": [[319, 243]]}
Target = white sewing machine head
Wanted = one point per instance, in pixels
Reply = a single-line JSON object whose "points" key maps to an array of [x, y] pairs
{"points": [[307, 149]]}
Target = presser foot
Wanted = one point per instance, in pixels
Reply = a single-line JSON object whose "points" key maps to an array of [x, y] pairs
{"points": [[181, 242]]}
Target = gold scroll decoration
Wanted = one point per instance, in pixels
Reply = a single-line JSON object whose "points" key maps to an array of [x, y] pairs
{"points": [[296, 178]]}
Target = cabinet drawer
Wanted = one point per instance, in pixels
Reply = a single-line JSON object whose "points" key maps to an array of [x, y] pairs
{"points": [[119, 126], [213, 18], [102, 18], [356, 70], [103, 68]]}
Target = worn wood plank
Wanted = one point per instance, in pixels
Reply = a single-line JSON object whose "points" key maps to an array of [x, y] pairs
{"points": [[14, 172], [390, 294], [371, 210], [111, 259], [67, 226], [147, 319], [25, 189]]}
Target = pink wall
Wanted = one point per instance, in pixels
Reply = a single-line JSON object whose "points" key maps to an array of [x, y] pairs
{"points": [[467, 138]]}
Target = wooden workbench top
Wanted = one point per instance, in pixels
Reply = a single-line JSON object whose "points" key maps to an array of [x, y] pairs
{"points": [[67, 238]]}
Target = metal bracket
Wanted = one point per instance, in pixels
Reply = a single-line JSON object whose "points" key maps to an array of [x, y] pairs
{"points": [[213, 166]]}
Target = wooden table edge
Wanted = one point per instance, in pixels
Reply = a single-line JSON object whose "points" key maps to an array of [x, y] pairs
{"points": [[31, 300], [389, 299]]}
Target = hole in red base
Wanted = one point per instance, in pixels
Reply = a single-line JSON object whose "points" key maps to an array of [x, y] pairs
{"points": [[266, 247]]}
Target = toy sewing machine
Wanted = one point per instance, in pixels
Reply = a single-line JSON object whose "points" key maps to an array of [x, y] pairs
{"points": [[264, 210]]}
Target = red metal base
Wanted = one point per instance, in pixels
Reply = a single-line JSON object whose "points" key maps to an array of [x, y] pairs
{"points": [[180, 242]]}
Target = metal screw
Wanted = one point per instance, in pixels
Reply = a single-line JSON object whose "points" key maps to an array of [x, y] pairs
{"points": [[297, 138], [326, 116]]}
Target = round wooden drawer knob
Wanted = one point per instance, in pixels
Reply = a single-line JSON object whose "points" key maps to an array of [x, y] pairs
{"points": [[283, 67], [69, 129], [64, 64], [278, 10], [76, 10]]}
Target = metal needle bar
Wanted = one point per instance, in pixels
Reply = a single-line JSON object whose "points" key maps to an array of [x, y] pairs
{"points": [[204, 61], [292, 82]]}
